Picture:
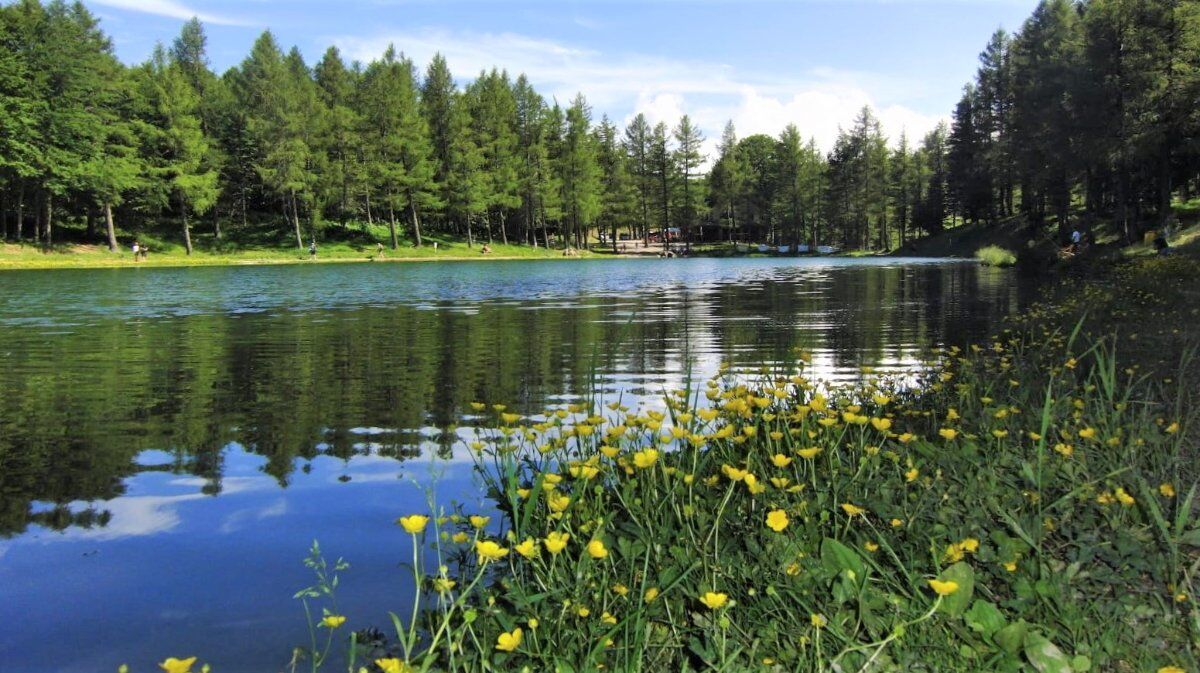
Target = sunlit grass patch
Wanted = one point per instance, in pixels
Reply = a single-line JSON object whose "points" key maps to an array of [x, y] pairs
{"points": [[994, 255]]}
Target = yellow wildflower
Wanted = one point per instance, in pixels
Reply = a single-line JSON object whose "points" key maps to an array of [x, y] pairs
{"points": [[527, 548], [651, 594], [333, 621], [460, 537], [645, 458], [480, 521], [943, 588], [173, 665], [1172, 428], [620, 589], [393, 665], [809, 453], [853, 510], [1123, 497], [912, 475], [881, 424], [781, 460], [948, 433], [489, 551], [509, 642], [607, 618], [443, 584], [1171, 669], [896, 523], [596, 549], [1167, 490], [713, 600], [818, 621], [555, 542], [414, 523], [777, 520], [871, 546], [733, 473]]}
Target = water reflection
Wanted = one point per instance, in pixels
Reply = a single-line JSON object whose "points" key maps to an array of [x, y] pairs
{"points": [[129, 398]]}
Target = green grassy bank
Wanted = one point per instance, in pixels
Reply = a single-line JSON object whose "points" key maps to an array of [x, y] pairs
{"points": [[29, 256]]}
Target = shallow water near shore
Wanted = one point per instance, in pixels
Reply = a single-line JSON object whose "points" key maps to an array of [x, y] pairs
{"points": [[172, 440]]}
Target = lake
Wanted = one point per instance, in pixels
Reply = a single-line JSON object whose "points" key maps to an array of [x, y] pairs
{"points": [[173, 440]]}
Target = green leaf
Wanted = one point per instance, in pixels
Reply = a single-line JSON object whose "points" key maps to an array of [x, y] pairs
{"points": [[985, 618], [837, 557], [1045, 655], [1012, 637], [962, 574]]}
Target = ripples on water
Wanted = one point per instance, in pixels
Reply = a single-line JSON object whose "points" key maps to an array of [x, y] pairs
{"points": [[172, 440]]}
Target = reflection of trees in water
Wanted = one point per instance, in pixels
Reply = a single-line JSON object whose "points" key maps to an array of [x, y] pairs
{"points": [[77, 408]]}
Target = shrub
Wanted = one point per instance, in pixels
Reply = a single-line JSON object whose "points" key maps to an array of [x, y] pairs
{"points": [[994, 255]]}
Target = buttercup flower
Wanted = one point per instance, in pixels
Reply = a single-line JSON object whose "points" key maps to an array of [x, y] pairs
{"points": [[333, 621], [393, 665], [853, 510], [173, 665], [508, 642], [943, 588], [596, 549], [555, 542], [777, 520], [489, 551], [713, 600], [414, 523]]}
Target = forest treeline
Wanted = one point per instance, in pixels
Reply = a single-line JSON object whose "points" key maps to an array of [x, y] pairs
{"points": [[1089, 111]]}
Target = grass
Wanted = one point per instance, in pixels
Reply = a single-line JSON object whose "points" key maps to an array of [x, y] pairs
{"points": [[994, 255], [29, 256], [1024, 504]]}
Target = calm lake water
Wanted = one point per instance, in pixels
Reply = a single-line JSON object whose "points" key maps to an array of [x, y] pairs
{"points": [[172, 440]]}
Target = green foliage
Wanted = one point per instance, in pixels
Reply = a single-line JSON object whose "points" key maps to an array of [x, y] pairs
{"points": [[994, 255]]}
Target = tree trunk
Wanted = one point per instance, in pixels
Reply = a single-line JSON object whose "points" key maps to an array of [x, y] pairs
{"points": [[470, 234], [216, 222], [392, 226], [110, 228], [48, 234], [296, 222], [21, 213], [416, 221], [503, 228], [187, 228]]}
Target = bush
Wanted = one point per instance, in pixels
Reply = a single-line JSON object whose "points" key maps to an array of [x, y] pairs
{"points": [[994, 255]]}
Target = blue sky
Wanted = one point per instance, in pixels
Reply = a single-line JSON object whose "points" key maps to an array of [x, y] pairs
{"points": [[762, 64]]}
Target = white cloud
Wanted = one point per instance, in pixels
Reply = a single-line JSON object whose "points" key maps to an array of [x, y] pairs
{"points": [[817, 99], [170, 9]]}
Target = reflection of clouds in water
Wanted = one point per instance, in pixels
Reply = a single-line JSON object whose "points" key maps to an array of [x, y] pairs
{"points": [[238, 519], [135, 516], [142, 515]]}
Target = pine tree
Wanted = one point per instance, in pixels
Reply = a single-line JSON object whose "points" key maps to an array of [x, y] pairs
{"points": [[727, 180], [637, 148], [494, 120], [688, 159], [180, 149], [580, 172], [619, 201], [336, 84]]}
